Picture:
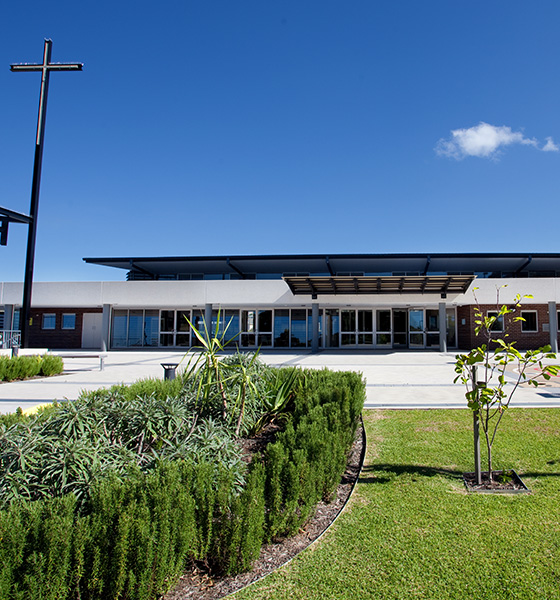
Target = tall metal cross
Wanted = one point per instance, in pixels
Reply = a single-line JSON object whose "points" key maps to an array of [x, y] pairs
{"points": [[46, 67]]}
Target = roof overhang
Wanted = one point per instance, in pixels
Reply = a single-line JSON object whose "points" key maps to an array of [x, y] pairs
{"points": [[429, 284]]}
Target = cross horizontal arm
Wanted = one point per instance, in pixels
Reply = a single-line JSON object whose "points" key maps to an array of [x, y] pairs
{"points": [[50, 67], [14, 216]]}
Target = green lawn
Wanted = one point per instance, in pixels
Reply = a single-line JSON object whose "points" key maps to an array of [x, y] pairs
{"points": [[411, 531]]}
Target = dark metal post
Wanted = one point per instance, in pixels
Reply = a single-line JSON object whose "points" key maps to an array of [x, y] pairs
{"points": [[476, 433], [32, 234], [46, 67]]}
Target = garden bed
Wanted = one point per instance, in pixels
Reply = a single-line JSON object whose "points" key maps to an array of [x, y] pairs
{"points": [[202, 585], [127, 487]]}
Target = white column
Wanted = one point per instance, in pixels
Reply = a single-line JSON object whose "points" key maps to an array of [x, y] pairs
{"points": [[105, 327], [208, 318], [315, 327]]}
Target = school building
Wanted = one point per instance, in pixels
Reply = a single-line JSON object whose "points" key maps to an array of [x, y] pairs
{"points": [[304, 302]]}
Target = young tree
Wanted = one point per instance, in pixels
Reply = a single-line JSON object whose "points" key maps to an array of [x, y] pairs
{"points": [[483, 372]]}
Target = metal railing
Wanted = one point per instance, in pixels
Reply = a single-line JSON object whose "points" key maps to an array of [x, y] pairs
{"points": [[10, 338]]}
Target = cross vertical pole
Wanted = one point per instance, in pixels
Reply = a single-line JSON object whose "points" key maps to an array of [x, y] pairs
{"points": [[46, 67], [25, 317]]}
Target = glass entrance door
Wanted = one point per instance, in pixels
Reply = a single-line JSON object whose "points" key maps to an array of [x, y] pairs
{"points": [[432, 328], [416, 328], [365, 328], [383, 328], [174, 329], [332, 328], [347, 328], [356, 328], [400, 328]]}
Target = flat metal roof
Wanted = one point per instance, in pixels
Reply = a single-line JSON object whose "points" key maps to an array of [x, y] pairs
{"points": [[337, 264]]}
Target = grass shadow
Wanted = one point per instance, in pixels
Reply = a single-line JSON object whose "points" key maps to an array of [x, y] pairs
{"points": [[392, 471], [398, 470], [538, 474]]}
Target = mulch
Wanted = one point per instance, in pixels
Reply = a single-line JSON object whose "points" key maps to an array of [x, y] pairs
{"points": [[203, 585], [511, 483]]}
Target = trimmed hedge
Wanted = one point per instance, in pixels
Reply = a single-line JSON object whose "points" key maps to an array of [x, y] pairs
{"points": [[23, 367], [135, 537]]}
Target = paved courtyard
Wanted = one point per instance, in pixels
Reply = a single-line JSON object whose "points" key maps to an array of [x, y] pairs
{"points": [[397, 380]]}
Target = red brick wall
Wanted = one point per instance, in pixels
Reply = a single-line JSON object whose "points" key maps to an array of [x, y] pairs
{"points": [[524, 340], [57, 338]]}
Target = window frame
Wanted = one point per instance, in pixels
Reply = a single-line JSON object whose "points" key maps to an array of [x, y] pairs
{"points": [[63, 326], [499, 321], [46, 316], [523, 323]]}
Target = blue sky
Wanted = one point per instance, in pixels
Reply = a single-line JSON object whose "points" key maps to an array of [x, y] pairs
{"points": [[251, 127]]}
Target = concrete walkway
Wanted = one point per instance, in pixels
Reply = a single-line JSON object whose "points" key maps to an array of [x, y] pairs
{"points": [[397, 380]]}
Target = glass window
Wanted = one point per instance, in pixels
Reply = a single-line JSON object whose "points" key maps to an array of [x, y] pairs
{"points": [[432, 320], [182, 322], [365, 320], [249, 328], [416, 322], [183, 336], [383, 339], [384, 322], [530, 321], [248, 321], [451, 336], [135, 327], [231, 325], [348, 320], [151, 318], [248, 340], [332, 328], [498, 324], [166, 339], [15, 319], [299, 332], [167, 320], [69, 321], [49, 321], [432, 340], [282, 328], [119, 329], [347, 339], [416, 339], [265, 321], [265, 339], [198, 324]]}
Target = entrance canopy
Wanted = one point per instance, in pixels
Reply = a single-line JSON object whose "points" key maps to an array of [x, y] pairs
{"points": [[429, 284]]}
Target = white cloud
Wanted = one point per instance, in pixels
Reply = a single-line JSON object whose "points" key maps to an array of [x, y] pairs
{"points": [[485, 141], [550, 146]]}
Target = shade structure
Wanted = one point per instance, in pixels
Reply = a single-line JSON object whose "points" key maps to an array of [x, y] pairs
{"points": [[339, 285]]}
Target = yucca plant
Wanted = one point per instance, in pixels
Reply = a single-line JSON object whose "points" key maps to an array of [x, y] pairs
{"points": [[206, 367]]}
